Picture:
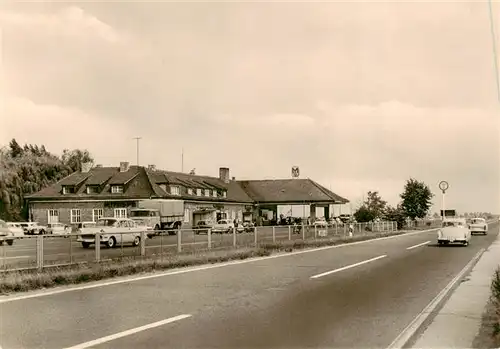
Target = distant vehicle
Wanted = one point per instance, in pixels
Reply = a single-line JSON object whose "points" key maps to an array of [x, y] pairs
{"points": [[113, 231], [16, 229], [225, 226], [6, 234], [478, 225], [201, 227], [33, 228], [159, 214], [248, 227], [454, 230], [58, 229]]}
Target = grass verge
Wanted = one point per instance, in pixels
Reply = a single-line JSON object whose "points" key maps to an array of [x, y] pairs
{"points": [[489, 332], [28, 280]]}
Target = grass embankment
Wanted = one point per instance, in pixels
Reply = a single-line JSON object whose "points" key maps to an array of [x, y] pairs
{"points": [[28, 280], [489, 333]]}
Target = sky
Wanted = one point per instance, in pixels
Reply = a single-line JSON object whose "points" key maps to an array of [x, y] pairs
{"points": [[360, 96]]}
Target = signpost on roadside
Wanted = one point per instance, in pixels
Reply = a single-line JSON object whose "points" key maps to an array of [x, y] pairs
{"points": [[443, 185]]}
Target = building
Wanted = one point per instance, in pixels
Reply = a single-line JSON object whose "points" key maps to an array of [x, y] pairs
{"points": [[111, 191]]}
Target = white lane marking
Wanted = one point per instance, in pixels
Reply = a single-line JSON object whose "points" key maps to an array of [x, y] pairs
{"points": [[348, 267], [129, 332], [414, 326], [16, 257], [418, 245], [193, 269]]}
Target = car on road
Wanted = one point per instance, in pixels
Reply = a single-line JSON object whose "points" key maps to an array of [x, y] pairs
{"points": [[454, 230], [58, 229], [201, 227], [16, 229], [33, 228], [114, 231], [223, 226], [5, 234], [478, 225]]}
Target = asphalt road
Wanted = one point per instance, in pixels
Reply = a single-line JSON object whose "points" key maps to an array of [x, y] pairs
{"points": [[276, 302], [60, 250]]}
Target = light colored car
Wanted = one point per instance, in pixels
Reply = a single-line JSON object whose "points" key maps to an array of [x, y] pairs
{"points": [[16, 229], [5, 234], [58, 229], [33, 228], [454, 230], [225, 226], [114, 231], [478, 225]]}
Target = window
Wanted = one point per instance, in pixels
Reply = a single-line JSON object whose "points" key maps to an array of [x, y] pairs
{"points": [[198, 192], [207, 192], [75, 215], [96, 214], [53, 216], [163, 186], [92, 189], [186, 215], [190, 191], [224, 194], [68, 189], [175, 190], [117, 189], [120, 213], [214, 193]]}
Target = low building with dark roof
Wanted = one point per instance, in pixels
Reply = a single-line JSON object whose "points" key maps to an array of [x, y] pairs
{"points": [[113, 191]]}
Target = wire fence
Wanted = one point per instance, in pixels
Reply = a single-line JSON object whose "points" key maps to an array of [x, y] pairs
{"points": [[45, 251]]}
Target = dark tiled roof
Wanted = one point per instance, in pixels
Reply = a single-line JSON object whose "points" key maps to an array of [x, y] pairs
{"points": [[75, 178], [289, 191], [100, 175], [124, 177]]}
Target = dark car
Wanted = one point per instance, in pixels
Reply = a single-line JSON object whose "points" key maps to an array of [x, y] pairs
{"points": [[248, 227], [201, 227]]}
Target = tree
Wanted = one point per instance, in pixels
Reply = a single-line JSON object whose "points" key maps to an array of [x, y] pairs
{"points": [[75, 158], [364, 214], [15, 148], [396, 214], [372, 208], [416, 199]]}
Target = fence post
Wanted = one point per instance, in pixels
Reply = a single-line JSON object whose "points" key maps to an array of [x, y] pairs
{"points": [[39, 252], [274, 234], [209, 235], [303, 231], [97, 243], [315, 232], [289, 233], [234, 236], [143, 243], [4, 263], [161, 247], [255, 236], [179, 240]]}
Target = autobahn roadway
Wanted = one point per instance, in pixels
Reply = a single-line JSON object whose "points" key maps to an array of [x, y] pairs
{"points": [[60, 250], [355, 295]]}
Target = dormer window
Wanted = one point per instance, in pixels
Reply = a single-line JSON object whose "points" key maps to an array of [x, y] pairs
{"points": [[117, 189], [175, 190], [92, 189], [163, 186], [214, 193], [207, 192], [224, 194], [190, 191], [198, 192], [68, 189]]}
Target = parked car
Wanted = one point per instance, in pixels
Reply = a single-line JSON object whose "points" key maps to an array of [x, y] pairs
{"points": [[249, 227], [478, 225], [454, 230], [82, 225], [201, 227], [16, 229], [223, 226], [5, 234], [33, 228], [113, 231], [58, 229]]}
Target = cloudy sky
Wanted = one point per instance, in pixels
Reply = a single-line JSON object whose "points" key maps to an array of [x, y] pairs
{"points": [[360, 96]]}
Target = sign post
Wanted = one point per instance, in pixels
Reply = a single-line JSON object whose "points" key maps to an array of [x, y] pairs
{"points": [[443, 185]]}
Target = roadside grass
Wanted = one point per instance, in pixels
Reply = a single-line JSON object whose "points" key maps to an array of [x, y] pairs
{"points": [[28, 280], [489, 332]]}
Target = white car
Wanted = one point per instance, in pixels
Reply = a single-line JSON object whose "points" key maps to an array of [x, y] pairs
{"points": [[33, 228], [114, 231], [454, 230], [16, 229], [58, 229], [5, 234], [478, 225]]}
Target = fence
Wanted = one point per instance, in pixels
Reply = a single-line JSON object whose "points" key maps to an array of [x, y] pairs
{"points": [[44, 251]]}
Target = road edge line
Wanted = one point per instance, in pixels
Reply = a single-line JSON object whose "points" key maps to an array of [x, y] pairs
{"points": [[134, 278], [410, 331]]}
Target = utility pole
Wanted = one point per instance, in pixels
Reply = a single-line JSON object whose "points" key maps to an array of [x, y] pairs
{"points": [[137, 139], [443, 185], [182, 161], [495, 56]]}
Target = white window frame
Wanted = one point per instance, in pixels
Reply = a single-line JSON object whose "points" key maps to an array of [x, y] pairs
{"points": [[119, 212], [190, 191], [207, 192], [117, 189], [224, 194], [198, 192], [214, 193], [51, 215], [186, 215], [175, 190], [163, 187], [100, 214], [75, 216]]}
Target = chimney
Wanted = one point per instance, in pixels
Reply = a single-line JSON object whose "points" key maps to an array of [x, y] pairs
{"points": [[124, 166], [152, 167], [224, 174], [86, 167], [98, 165]]}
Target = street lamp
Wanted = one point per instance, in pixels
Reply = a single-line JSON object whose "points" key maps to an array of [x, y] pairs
{"points": [[443, 185]]}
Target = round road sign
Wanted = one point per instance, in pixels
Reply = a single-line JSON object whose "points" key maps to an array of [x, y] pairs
{"points": [[443, 185]]}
